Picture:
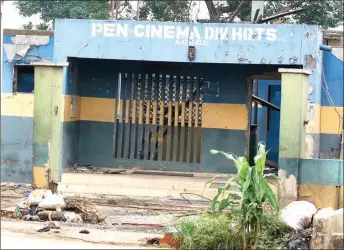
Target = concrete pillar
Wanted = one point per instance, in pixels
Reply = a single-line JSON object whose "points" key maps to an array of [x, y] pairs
{"points": [[47, 117], [292, 147]]}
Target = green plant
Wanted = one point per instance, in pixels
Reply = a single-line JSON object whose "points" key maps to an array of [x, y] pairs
{"points": [[254, 193], [209, 231]]}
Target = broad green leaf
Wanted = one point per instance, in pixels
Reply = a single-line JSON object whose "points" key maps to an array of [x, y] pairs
{"points": [[223, 205], [219, 192]]}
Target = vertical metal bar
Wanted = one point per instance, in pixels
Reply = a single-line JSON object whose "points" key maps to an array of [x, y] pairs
{"points": [[148, 125], [176, 138], [115, 127], [169, 145], [255, 118], [138, 10], [195, 129], [121, 117], [154, 118], [141, 115], [161, 120], [133, 119], [183, 145], [128, 84], [190, 138]]}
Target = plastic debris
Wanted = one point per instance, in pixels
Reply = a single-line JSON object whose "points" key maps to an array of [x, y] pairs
{"points": [[84, 231], [52, 202]]}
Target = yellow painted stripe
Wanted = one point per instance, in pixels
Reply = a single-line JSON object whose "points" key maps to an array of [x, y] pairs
{"points": [[67, 108], [331, 120], [17, 105], [313, 126], [321, 196], [39, 179], [97, 109], [224, 116]]}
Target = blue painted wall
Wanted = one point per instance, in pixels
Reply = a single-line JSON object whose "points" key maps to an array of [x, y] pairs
{"points": [[16, 125]]}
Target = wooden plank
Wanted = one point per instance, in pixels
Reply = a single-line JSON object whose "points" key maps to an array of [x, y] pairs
{"points": [[121, 123], [133, 140], [176, 138], [141, 116], [153, 145], [161, 120], [182, 128], [148, 125], [190, 138], [115, 127], [169, 145], [128, 84], [195, 133]]}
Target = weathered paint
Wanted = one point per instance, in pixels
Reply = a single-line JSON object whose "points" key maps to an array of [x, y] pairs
{"points": [[292, 137], [20, 105], [95, 38], [47, 122], [224, 116], [17, 108], [331, 120], [321, 196], [321, 172]]}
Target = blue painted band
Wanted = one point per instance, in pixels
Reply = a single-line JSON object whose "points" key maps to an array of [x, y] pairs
{"points": [[321, 172], [40, 154]]}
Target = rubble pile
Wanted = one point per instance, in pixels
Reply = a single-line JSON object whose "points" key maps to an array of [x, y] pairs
{"points": [[43, 205]]}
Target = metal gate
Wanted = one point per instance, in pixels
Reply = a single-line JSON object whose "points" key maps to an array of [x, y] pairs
{"points": [[158, 117]]}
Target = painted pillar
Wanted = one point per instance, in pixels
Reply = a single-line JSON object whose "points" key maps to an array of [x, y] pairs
{"points": [[293, 121], [47, 117]]}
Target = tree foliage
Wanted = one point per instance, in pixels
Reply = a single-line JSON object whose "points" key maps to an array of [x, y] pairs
{"points": [[28, 26], [324, 13]]}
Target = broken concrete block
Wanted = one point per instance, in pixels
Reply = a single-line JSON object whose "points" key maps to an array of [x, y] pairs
{"points": [[328, 229]]}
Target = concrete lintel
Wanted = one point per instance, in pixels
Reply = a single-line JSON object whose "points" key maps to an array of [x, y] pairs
{"points": [[50, 64], [295, 71]]}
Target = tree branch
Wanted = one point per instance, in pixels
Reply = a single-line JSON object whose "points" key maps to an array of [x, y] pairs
{"points": [[213, 14], [236, 11], [290, 7]]}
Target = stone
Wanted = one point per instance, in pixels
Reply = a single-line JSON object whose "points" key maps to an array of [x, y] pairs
{"points": [[298, 214], [328, 229], [53, 225]]}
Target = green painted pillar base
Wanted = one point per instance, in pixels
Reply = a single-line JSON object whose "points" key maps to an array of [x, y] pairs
{"points": [[293, 121], [47, 117]]}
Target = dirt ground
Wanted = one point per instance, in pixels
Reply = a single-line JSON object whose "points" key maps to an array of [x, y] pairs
{"points": [[129, 222]]}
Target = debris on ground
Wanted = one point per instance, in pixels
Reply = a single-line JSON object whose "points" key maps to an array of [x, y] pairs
{"points": [[43, 205], [112, 170], [79, 168], [84, 231], [153, 241], [53, 225], [44, 229], [300, 239], [86, 210]]}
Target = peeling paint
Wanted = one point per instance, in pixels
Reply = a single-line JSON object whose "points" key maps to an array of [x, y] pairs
{"points": [[309, 147], [21, 45], [310, 62]]}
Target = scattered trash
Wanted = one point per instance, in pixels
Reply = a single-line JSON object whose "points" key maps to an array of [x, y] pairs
{"points": [[153, 241], [52, 202], [300, 239], [78, 168], [84, 231], [46, 215], [29, 217], [112, 171], [72, 217], [53, 225], [37, 195], [298, 214], [86, 210], [44, 229]]}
